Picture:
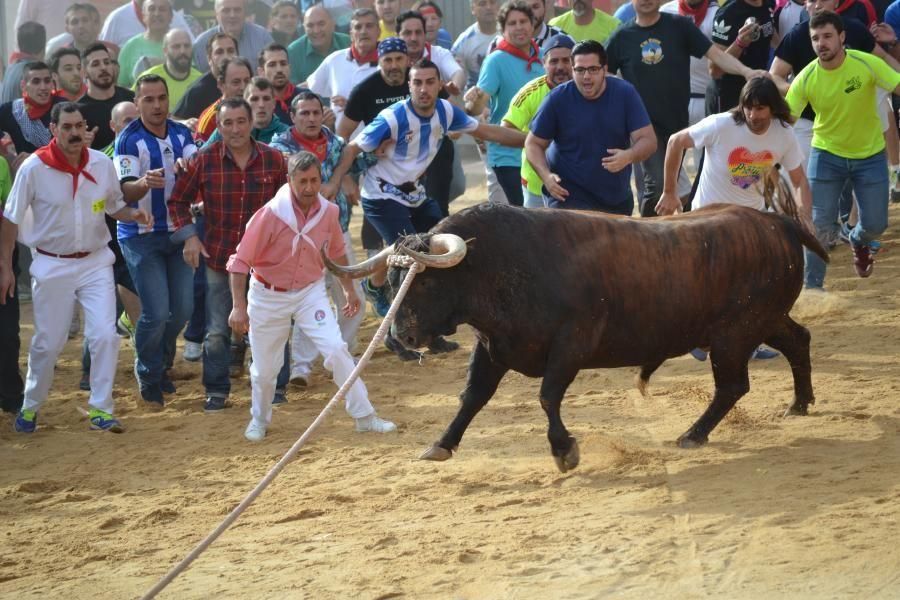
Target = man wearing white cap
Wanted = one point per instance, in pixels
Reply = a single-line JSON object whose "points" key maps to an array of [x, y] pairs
{"points": [[280, 248]]}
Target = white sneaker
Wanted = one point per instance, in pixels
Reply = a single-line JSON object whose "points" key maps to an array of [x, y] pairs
{"points": [[193, 351], [255, 432], [374, 423], [300, 379]]}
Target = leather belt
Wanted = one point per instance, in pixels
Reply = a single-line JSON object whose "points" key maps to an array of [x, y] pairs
{"points": [[55, 255], [268, 285]]}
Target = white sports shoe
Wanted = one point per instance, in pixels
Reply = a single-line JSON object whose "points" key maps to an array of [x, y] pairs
{"points": [[193, 351], [374, 423], [255, 432], [300, 379]]}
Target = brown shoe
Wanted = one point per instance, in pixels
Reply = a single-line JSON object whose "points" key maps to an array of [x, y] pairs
{"points": [[862, 260]]}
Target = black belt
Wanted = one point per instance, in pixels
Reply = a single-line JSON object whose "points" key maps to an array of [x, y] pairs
{"points": [[55, 255], [696, 95]]}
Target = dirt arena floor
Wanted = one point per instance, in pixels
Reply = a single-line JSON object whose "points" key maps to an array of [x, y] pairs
{"points": [[771, 508]]}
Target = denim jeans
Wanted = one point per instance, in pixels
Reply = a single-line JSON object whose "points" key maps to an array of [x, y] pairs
{"points": [[510, 179], [196, 327], [217, 346], [164, 284], [827, 175], [392, 219]]}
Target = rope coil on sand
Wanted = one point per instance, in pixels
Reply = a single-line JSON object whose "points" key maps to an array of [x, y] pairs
{"points": [[404, 262]]}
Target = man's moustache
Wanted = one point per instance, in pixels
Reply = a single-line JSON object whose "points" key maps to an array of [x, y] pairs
{"points": [[75, 140]]}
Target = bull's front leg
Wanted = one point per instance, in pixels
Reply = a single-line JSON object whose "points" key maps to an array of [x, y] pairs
{"points": [[563, 446], [484, 377]]}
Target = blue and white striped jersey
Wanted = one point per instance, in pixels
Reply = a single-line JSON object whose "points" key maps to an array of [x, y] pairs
{"points": [[138, 151], [416, 140]]}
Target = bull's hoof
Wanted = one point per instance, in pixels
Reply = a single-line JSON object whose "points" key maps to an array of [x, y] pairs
{"points": [[436, 453], [570, 460], [688, 441], [796, 410]]}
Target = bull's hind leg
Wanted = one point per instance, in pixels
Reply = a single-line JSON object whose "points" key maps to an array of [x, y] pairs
{"points": [[483, 379], [729, 365], [792, 340], [563, 446], [643, 378]]}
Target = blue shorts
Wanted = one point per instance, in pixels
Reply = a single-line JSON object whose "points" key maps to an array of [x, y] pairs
{"points": [[393, 220]]}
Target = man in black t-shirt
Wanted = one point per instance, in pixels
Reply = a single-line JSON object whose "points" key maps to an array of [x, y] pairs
{"points": [[744, 29], [205, 91], [102, 94], [653, 52]]}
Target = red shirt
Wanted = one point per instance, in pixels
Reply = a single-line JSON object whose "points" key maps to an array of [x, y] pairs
{"points": [[230, 195]]}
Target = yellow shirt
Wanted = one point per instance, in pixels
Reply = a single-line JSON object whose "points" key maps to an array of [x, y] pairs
{"points": [[386, 31], [847, 122], [521, 111], [598, 30]]}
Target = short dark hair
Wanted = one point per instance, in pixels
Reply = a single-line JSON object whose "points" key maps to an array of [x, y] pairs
{"points": [[418, 6], [63, 107], [58, 54], [762, 91], [31, 37], [359, 13], [273, 47], [826, 18], [424, 63], [85, 6], [149, 78], [35, 65], [590, 47], [235, 103], [405, 16], [95, 47], [510, 6], [282, 3], [216, 37], [305, 95], [260, 83], [232, 60]]}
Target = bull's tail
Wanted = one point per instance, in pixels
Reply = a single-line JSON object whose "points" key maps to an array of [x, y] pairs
{"points": [[780, 198]]}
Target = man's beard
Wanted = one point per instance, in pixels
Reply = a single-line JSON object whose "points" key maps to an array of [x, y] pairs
{"points": [[182, 63], [102, 85]]}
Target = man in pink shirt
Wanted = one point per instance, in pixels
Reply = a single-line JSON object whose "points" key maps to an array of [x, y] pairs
{"points": [[280, 250]]}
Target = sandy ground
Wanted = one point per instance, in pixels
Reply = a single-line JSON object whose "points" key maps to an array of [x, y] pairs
{"points": [[772, 507]]}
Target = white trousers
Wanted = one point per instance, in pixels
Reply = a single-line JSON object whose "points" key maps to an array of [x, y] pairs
{"points": [[56, 284], [270, 325], [303, 350]]}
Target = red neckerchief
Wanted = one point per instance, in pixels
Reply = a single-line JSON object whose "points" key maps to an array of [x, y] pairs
{"points": [[371, 57], [61, 93], [534, 57], [17, 56], [427, 52], [35, 110], [286, 96], [698, 13], [54, 158], [317, 146], [870, 10], [138, 12]]}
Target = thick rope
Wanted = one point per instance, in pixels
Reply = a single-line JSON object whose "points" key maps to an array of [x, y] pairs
{"points": [[414, 268]]}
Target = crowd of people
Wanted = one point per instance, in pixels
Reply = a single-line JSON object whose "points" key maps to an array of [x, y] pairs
{"points": [[176, 169]]}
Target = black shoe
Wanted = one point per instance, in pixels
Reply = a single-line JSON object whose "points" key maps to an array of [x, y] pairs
{"points": [[166, 384], [279, 398], [441, 345], [216, 404], [85, 384], [152, 395], [400, 350]]}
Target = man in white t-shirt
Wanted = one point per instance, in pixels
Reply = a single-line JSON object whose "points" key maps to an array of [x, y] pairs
{"points": [[741, 146]]}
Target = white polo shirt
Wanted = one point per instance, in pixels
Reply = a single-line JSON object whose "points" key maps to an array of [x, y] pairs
{"points": [[337, 76], [49, 218]]}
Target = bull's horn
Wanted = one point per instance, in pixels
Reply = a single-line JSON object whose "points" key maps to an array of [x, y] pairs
{"points": [[363, 269], [445, 250]]}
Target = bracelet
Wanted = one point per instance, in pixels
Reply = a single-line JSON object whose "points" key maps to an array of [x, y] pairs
{"points": [[740, 44]]}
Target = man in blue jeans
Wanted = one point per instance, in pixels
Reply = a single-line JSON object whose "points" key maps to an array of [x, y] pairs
{"points": [[234, 177], [847, 143], [149, 154], [393, 197]]}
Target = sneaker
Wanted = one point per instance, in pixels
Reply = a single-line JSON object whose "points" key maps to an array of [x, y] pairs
{"points": [[26, 421], [85, 384], [216, 404], [844, 233], [699, 354], [124, 326], [279, 398], [377, 296], [895, 195], [405, 354], [103, 421], [255, 432], [374, 423], [441, 345], [300, 379], [193, 351], [152, 396], [862, 260], [763, 353], [166, 385], [874, 247]]}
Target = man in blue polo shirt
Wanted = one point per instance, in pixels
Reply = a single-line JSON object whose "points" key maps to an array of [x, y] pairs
{"points": [[587, 135]]}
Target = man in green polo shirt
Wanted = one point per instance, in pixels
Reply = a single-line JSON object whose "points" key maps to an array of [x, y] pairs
{"points": [[525, 104], [847, 143], [584, 22], [320, 40]]}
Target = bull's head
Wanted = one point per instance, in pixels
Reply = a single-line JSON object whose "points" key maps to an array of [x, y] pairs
{"points": [[428, 308]]}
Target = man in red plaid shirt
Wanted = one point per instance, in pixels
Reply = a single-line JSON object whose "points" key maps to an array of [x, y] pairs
{"points": [[233, 178]]}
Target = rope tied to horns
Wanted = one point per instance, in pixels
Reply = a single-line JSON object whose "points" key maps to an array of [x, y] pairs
{"points": [[402, 261]]}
